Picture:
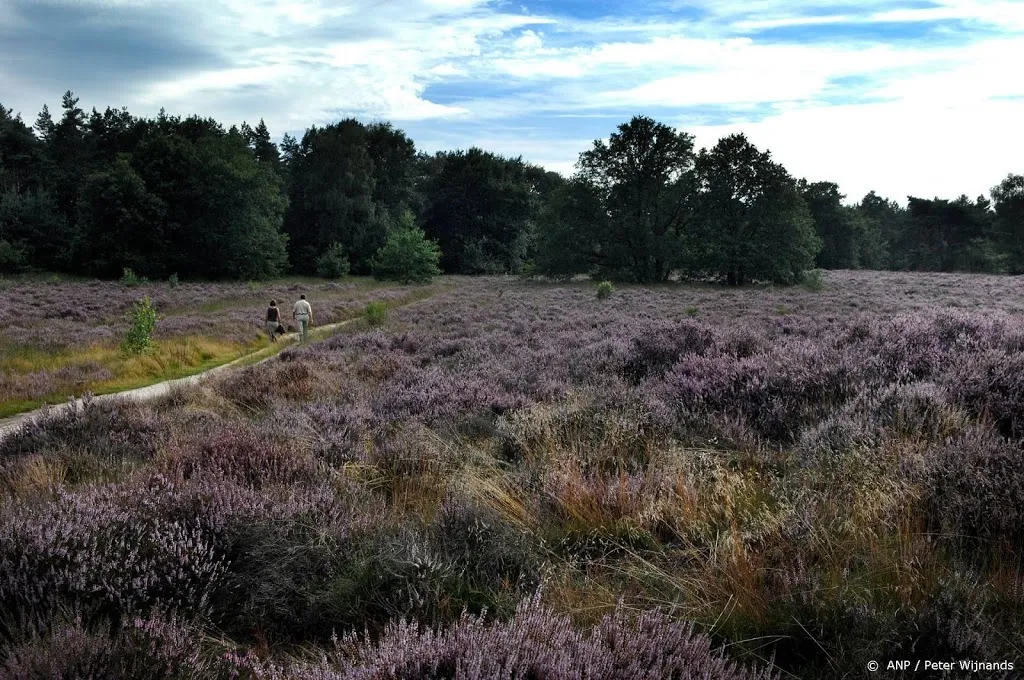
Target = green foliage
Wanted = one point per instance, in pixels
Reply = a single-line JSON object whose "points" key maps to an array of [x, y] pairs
{"points": [[394, 168], [479, 207], [528, 271], [331, 197], [751, 223], [691, 311], [1008, 201], [642, 178], [376, 313], [834, 224], [333, 264], [604, 290], [129, 279], [36, 234], [121, 222], [221, 209], [91, 193], [407, 257], [814, 280], [941, 235], [569, 230], [173, 280], [139, 337], [13, 256]]}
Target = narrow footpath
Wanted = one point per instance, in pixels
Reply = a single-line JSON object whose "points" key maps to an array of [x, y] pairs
{"points": [[11, 424]]}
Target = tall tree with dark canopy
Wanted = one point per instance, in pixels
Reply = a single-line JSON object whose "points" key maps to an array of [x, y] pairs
{"points": [[942, 235], [751, 222], [32, 232], [1008, 200], [331, 197], [884, 219], [224, 208], [394, 158], [572, 231], [480, 208], [70, 154], [642, 178], [265, 150], [122, 224], [834, 223]]}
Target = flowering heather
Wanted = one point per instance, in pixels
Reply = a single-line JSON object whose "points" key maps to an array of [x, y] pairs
{"points": [[814, 479], [534, 643], [61, 319], [154, 649]]}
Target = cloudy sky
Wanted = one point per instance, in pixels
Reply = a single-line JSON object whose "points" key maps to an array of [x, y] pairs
{"points": [[912, 97]]}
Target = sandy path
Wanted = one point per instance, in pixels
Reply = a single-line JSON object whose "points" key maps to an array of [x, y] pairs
{"points": [[9, 425]]}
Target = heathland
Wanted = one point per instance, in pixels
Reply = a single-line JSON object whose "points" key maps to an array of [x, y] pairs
{"points": [[519, 479], [62, 338]]}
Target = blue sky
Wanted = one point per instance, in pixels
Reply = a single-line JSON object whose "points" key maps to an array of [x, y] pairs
{"points": [[922, 97]]}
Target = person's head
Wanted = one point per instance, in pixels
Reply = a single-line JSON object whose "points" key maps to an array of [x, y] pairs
{"points": [[302, 297], [273, 303]]}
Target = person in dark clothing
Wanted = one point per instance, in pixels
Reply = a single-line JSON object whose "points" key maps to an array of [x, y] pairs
{"points": [[273, 320]]}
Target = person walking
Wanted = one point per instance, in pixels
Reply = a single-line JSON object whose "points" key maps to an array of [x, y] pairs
{"points": [[303, 315], [273, 320]]}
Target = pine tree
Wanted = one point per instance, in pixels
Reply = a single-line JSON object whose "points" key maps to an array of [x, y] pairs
{"points": [[44, 126]]}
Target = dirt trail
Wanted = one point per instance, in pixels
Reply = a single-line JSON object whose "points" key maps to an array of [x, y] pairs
{"points": [[9, 425]]}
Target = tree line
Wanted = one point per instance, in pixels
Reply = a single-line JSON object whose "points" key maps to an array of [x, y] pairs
{"points": [[96, 193]]}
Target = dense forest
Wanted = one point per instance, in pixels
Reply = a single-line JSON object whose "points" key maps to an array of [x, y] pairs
{"points": [[95, 193]]}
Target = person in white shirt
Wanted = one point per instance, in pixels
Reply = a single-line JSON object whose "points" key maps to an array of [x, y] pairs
{"points": [[303, 315]]}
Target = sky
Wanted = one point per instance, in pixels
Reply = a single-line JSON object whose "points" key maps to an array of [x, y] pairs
{"points": [[919, 97]]}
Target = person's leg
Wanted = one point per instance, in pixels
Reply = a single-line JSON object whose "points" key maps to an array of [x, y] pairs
{"points": [[302, 326]]}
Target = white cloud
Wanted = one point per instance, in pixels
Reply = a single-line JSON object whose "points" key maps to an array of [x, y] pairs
{"points": [[302, 62], [894, 148], [528, 42]]}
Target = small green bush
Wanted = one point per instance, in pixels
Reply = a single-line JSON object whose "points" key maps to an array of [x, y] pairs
{"points": [[408, 256], [333, 264], [814, 280], [129, 279], [139, 338], [173, 280], [692, 311], [604, 290], [376, 313], [528, 271]]}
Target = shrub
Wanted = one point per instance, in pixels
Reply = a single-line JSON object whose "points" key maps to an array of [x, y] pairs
{"points": [[173, 280], [100, 440], [535, 643], [407, 257], [139, 338], [376, 313], [108, 552], [814, 280], [130, 279], [974, 488], [13, 256], [604, 290], [990, 384], [141, 648], [494, 557], [528, 272], [333, 264], [245, 454]]}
